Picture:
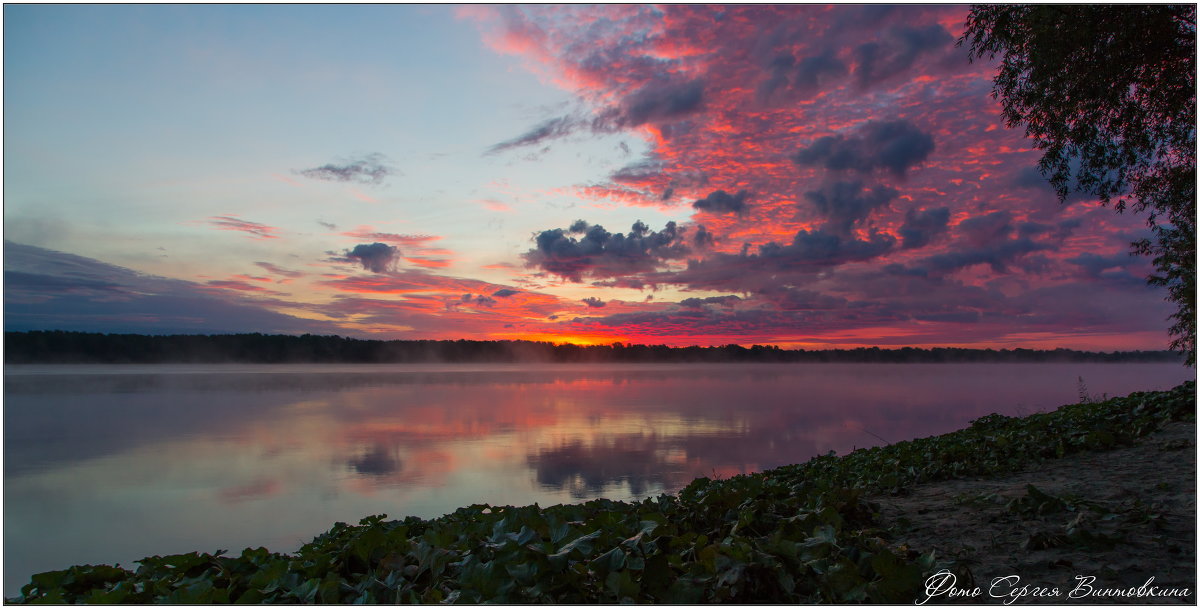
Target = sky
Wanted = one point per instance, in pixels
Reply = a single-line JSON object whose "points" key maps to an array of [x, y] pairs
{"points": [[797, 175]]}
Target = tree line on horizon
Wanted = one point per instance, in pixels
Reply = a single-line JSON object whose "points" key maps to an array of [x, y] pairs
{"points": [[62, 347]]}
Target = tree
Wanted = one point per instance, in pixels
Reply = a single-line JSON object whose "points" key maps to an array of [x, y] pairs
{"points": [[1108, 93]]}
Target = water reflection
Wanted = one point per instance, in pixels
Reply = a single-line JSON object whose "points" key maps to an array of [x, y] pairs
{"points": [[109, 464], [378, 461], [589, 471]]}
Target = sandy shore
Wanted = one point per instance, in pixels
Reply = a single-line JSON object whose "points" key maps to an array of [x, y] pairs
{"points": [[1121, 517]]}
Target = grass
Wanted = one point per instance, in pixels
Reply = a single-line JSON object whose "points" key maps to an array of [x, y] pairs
{"points": [[796, 534]]}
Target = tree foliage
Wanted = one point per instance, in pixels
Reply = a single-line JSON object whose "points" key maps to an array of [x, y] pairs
{"points": [[1108, 93]]}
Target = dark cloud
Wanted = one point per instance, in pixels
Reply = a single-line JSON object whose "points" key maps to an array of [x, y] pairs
{"points": [[594, 302], [505, 293], [22, 285], [662, 101], [896, 269], [370, 169], [813, 73], [49, 290], [961, 317], [1094, 264], [921, 227], [898, 49], [374, 257], [895, 146], [731, 322], [1068, 226], [684, 178], [719, 202], [703, 238], [844, 204], [480, 300], [998, 228], [821, 248], [698, 303], [779, 69], [632, 283], [809, 253], [1060, 230], [869, 15], [644, 171], [668, 322], [1114, 269], [980, 231], [649, 176], [599, 253], [998, 255], [786, 298], [1031, 179], [549, 130], [800, 80]]}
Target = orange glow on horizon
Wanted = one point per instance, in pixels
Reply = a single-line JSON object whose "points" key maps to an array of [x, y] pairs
{"points": [[582, 340]]}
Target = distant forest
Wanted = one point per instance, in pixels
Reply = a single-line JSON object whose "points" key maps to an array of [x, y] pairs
{"points": [[58, 347]]}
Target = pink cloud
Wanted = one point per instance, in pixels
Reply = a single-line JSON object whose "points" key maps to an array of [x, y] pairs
{"points": [[277, 270], [238, 284], [361, 196], [866, 145], [366, 233], [253, 229], [495, 205], [429, 263]]}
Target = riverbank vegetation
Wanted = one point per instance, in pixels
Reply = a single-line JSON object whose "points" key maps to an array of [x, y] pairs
{"points": [[804, 533], [59, 347]]}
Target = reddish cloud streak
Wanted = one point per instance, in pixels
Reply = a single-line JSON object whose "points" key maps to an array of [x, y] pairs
{"points": [[254, 229], [239, 284], [271, 268], [366, 233]]}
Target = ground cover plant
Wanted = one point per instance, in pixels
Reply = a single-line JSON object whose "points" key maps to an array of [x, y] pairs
{"points": [[798, 534]]}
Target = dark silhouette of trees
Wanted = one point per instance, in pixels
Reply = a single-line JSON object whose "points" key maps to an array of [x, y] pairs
{"points": [[59, 347], [1108, 93]]}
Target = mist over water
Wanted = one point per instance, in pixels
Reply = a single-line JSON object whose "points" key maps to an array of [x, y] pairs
{"points": [[107, 464]]}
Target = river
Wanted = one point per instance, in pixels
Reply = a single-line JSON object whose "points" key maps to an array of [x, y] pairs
{"points": [[107, 464]]}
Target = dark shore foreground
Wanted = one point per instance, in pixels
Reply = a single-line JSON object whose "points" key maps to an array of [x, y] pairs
{"points": [[1082, 529], [1092, 503]]}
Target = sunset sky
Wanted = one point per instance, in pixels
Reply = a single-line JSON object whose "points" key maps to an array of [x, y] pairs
{"points": [[800, 175]]}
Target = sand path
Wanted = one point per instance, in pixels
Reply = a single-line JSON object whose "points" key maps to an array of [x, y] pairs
{"points": [[1120, 516]]}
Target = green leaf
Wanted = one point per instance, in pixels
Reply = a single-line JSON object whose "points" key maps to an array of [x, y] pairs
{"points": [[582, 544], [621, 585], [611, 560]]}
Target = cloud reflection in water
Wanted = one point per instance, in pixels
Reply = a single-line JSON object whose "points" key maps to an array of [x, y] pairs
{"points": [[235, 456]]}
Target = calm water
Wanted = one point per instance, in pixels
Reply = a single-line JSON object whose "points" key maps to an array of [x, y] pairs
{"points": [[107, 464]]}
